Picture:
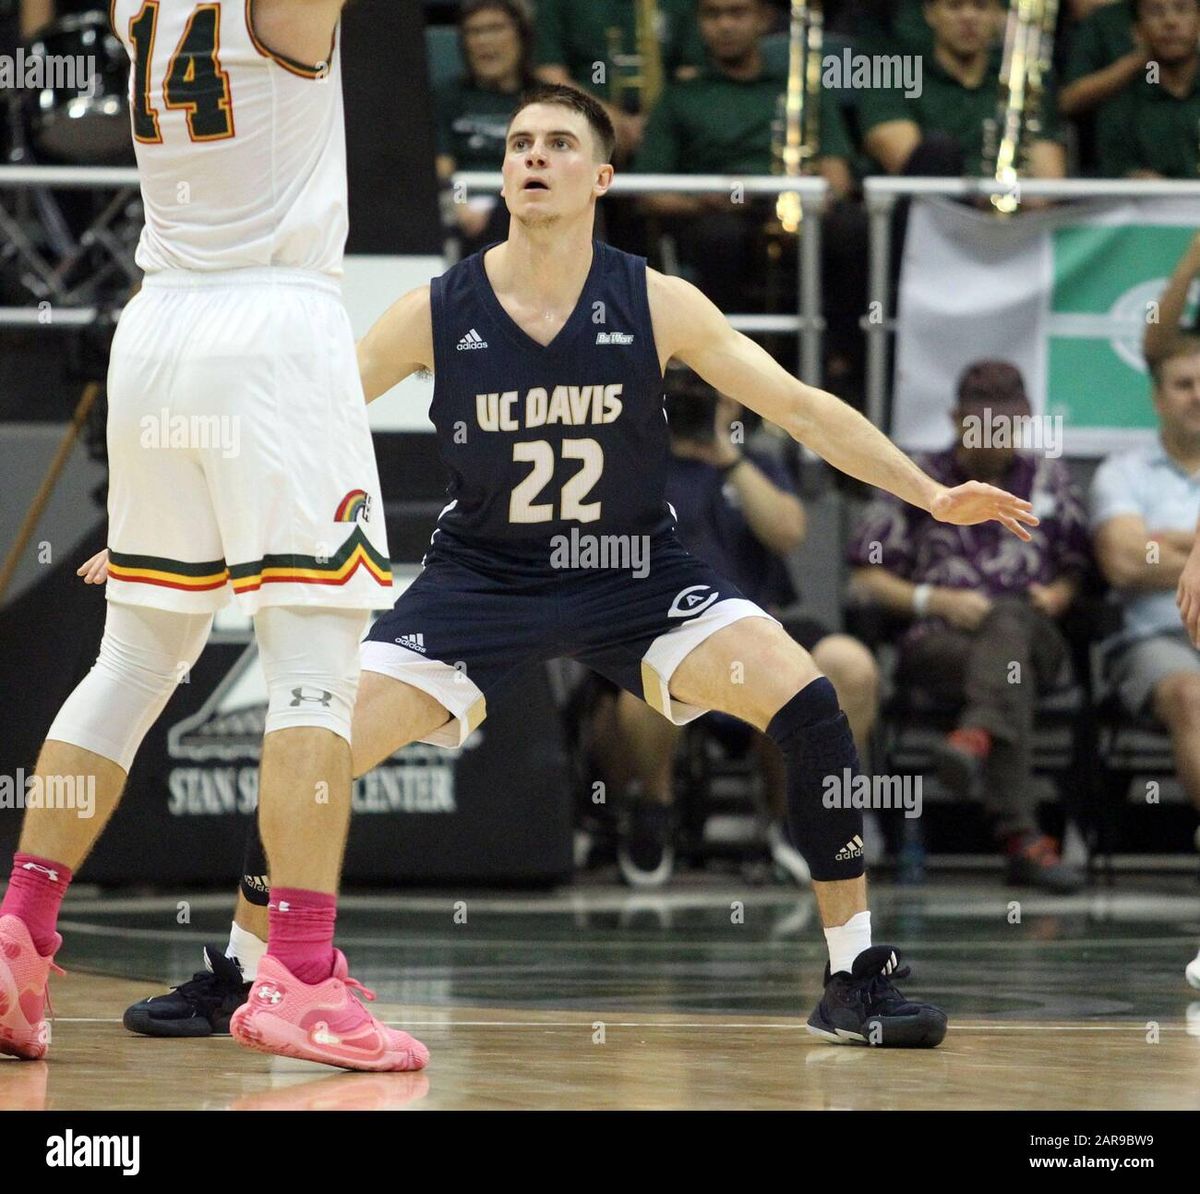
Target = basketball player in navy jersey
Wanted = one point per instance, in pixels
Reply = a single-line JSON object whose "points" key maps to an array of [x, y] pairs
{"points": [[548, 353]]}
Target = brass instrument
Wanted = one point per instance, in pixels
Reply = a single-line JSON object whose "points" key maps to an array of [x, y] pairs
{"points": [[638, 77], [796, 140], [1024, 75]]}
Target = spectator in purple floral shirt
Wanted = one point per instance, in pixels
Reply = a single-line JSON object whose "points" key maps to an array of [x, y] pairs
{"points": [[985, 608]]}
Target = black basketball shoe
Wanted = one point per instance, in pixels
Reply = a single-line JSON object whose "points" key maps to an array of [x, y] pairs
{"points": [[646, 842], [864, 1007], [199, 1007]]}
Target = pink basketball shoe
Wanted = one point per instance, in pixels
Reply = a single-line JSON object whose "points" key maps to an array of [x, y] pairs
{"points": [[321, 1022], [24, 994]]}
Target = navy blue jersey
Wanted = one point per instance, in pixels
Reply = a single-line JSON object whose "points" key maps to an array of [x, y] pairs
{"points": [[540, 440]]}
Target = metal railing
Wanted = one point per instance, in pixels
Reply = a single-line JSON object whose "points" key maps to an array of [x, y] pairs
{"points": [[881, 194], [807, 323], [121, 179]]}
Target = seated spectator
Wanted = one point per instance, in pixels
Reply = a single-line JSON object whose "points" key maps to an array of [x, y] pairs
{"points": [[887, 26], [985, 610], [1172, 305], [728, 121], [942, 131], [595, 45], [1107, 53], [496, 38], [737, 510], [1148, 129], [1144, 508]]}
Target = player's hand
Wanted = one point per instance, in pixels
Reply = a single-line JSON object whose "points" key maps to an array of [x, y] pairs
{"points": [[95, 571], [963, 608], [974, 502], [1187, 595]]}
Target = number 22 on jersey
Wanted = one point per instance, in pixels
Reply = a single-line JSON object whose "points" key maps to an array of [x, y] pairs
{"points": [[522, 506], [194, 81]]}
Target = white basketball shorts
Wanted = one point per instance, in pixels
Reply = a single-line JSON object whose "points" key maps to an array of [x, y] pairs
{"points": [[240, 458]]}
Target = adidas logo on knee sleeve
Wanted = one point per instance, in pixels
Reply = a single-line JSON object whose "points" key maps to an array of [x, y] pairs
{"points": [[851, 850]]}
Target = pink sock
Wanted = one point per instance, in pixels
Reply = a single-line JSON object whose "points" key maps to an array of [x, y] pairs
{"points": [[300, 932], [35, 894]]}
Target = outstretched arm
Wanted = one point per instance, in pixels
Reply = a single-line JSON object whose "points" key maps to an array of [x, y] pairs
{"points": [[1165, 328], [399, 343], [687, 326]]}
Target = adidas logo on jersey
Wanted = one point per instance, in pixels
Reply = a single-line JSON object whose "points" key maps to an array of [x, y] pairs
{"points": [[414, 642], [852, 849], [471, 340], [613, 338]]}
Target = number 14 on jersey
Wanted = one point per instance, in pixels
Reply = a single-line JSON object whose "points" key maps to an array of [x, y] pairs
{"points": [[194, 82]]}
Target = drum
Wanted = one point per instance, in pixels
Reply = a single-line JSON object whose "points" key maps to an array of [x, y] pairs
{"points": [[80, 113]]}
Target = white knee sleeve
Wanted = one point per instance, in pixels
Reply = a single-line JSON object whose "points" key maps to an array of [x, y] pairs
{"points": [[310, 659], [144, 653]]}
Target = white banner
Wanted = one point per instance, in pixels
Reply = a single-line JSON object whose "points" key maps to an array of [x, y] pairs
{"points": [[371, 285], [1063, 294]]}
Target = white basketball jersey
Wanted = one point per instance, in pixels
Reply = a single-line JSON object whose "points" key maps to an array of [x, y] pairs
{"points": [[241, 152]]}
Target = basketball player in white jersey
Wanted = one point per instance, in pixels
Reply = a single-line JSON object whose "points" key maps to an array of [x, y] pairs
{"points": [[241, 467]]}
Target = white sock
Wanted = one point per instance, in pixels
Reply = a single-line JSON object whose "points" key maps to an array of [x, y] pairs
{"points": [[248, 950], [847, 941]]}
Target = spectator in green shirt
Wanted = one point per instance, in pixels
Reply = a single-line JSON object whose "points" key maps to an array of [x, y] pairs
{"points": [[1151, 127], [1106, 53], [593, 44], [727, 121], [942, 131], [889, 27], [496, 38]]}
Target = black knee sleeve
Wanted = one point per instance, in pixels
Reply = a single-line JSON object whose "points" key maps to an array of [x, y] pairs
{"points": [[256, 886], [812, 732]]}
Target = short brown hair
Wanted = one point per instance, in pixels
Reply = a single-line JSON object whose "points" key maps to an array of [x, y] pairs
{"points": [[1183, 345], [577, 101], [991, 383]]}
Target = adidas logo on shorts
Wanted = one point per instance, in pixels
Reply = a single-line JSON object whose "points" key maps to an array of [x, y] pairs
{"points": [[414, 642], [471, 340], [852, 849]]}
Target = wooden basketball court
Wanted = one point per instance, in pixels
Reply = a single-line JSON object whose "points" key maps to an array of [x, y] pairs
{"points": [[696, 998]]}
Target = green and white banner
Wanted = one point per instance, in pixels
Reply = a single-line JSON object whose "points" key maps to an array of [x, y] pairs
{"points": [[1063, 294]]}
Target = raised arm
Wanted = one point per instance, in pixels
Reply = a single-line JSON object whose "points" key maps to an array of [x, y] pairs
{"points": [[689, 327], [1090, 91], [298, 29], [1171, 304], [399, 344]]}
